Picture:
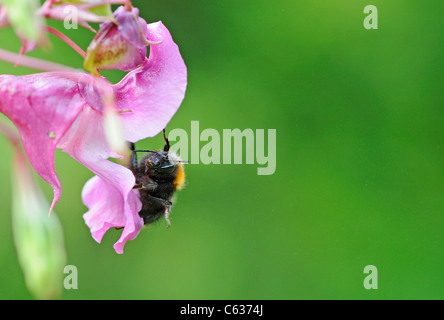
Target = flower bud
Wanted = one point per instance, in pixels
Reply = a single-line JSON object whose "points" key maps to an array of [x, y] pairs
{"points": [[21, 14], [38, 237], [119, 44]]}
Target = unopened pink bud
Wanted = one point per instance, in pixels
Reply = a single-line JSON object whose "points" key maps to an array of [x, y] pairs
{"points": [[119, 44]]}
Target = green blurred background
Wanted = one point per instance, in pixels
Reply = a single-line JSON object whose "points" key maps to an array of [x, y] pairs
{"points": [[360, 159]]}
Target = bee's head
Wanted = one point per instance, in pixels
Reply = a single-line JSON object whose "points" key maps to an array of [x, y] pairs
{"points": [[162, 164], [159, 162]]}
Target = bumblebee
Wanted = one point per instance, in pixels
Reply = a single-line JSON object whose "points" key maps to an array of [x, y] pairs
{"points": [[158, 176]]}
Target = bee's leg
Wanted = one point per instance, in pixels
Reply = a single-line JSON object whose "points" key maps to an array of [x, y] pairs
{"points": [[167, 204], [157, 205], [149, 186], [133, 160], [167, 214], [167, 143], [145, 182]]}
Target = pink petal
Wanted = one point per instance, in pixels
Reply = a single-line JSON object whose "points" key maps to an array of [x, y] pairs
{"points": [[42, 107], [110, 197], [132, 27], [154, 91], [105, 211]]}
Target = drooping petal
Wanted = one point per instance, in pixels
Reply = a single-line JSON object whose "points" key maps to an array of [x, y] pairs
{"points": [[107, 210], [110, 197], [42, 107], [154, 91], [105, 204]]}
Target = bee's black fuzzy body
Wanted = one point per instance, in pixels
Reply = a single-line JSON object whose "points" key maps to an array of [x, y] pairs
{"points": [[158, 176]]}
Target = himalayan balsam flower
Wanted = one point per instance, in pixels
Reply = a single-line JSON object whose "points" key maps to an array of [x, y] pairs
{"points": [[66, 110]]}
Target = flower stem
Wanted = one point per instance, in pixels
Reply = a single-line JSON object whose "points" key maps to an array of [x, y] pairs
{"points": [[128, 5], [68, 41], [34, 63], [101, 3]]}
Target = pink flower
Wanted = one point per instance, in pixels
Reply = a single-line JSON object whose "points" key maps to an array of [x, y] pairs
{"points": [[66, 110]]}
